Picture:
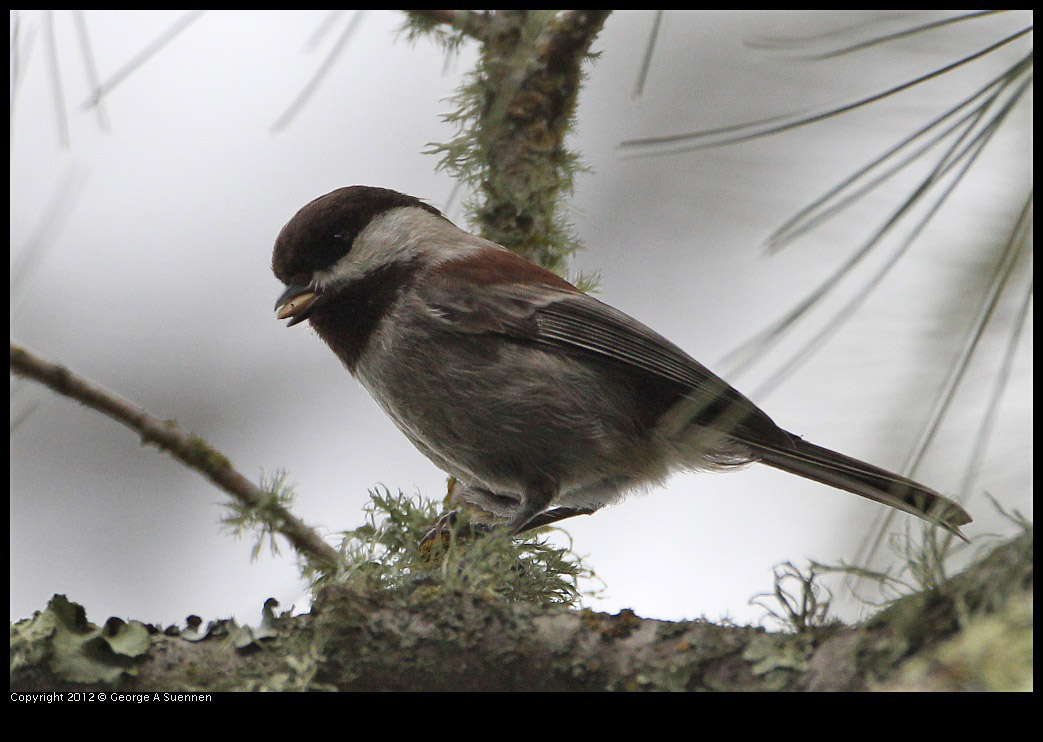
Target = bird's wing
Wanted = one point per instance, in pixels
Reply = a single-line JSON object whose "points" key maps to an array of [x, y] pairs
{"points": [[554, 314]]}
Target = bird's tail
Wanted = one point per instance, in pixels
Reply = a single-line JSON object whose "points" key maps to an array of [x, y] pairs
{"points": [[837, 470]]}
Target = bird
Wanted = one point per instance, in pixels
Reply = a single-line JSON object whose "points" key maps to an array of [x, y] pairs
{"points": [[542, 401]]}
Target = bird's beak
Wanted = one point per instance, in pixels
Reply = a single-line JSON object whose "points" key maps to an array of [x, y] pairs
{"points": [[297, 303]]}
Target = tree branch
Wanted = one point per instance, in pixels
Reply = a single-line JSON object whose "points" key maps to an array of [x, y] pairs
{"points": [[468, 22], [533, 82], [189, 449], [514, 113], [974, 632]]}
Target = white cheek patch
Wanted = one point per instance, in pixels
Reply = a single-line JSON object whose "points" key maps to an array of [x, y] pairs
{"points": [[399, 236]]}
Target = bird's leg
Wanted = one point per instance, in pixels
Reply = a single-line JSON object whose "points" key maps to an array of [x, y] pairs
{"points": [[531, 516], [536, 500]]}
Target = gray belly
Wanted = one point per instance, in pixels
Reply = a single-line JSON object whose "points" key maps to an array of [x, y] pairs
{"points": [[507, 416]]}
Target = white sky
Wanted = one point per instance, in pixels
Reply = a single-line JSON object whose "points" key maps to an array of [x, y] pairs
{"points": [[155, 283]]}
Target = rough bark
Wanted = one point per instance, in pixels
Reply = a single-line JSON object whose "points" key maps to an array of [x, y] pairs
{"points": [[972, 633]]}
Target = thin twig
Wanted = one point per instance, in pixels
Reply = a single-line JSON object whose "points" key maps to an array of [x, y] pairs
{"points": [[324, 27], [21, 50], [808, 349], [755, 347], [320, 74], [188, 448], [905, 32], [646, 63], [141, 57], [702, 136], [89, 66], [60, 116], [831, 202], [788, 42]]}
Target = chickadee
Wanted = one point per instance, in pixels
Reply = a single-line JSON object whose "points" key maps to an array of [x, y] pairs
{"points": [[529, 392]]}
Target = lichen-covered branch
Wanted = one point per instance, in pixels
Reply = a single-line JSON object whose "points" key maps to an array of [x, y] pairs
{"points": [[471, 23], [972, 633], [187, 448], [513, 115]]}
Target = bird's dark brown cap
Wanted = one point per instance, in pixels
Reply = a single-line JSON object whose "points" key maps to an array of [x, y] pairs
{"points": [[323, 231]]}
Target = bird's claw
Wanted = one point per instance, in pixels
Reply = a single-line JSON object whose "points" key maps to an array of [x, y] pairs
{"points": [[446, 525]]}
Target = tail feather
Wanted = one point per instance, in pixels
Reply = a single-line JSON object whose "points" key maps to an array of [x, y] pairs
{"points": [[837, 470]]}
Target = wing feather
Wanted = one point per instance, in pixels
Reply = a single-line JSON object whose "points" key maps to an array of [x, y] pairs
{"points": [[570, 321]]}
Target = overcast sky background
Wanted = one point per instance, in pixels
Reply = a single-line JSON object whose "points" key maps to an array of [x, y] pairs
{"points": [[154, 282]]}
